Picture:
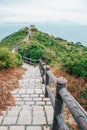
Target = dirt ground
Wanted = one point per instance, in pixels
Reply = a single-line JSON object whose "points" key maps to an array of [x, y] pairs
{"points": [[8, 82]]}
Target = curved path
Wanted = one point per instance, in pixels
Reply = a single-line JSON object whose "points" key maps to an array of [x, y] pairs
{"points": [[32, 111], [24, 40], [27, 37]]}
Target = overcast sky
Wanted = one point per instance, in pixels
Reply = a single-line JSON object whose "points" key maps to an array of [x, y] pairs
{"points": [[43, 11]]}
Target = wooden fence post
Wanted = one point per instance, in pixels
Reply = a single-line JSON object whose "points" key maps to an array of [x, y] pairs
{"points": [[41, 67], [43, 72], [46, 80], [61, 83]]}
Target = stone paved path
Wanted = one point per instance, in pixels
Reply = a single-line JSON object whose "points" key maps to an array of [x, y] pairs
{"points": [[32, 111]]}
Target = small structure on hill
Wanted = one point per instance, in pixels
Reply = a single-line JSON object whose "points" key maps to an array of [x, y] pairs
{"points": [[30, 29], [32, 26]]}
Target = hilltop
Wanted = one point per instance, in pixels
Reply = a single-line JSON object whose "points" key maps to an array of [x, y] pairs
{"points": [[65, 58]]}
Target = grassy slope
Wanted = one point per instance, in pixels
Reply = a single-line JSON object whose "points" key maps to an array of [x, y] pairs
{"points": [[58, 53], [61, 55], [55, 51], [14, 39]]}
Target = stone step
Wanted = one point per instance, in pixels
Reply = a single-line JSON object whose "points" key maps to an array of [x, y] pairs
{"points": [[32, 111]]}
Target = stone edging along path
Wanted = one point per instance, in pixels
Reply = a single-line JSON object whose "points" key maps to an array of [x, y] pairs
{"points": [[32, 111]]}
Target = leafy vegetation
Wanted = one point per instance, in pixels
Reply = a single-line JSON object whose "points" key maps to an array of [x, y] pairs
{"points": [[56, 51], [75, 61], [14, 39], [33, 50], [9, 59], [70, 57], [52, 50], [41, 46], [67, 56]]}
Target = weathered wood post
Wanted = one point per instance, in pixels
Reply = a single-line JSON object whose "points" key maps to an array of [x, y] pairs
{"points": [[40, 66], [58, 123], [46, 80], [43, 72]]}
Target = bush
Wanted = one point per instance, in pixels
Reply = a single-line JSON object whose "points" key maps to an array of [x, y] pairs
{"points": [[36, 51], [76, 64], [34, 29], [9, 59], [33, 50]]}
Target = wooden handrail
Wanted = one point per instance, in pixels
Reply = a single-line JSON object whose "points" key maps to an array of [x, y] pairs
{"points": [[62, 96], [29, 60]]}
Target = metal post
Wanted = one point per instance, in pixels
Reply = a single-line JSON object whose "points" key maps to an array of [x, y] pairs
{"points": [[46, 80], [61, 83]]}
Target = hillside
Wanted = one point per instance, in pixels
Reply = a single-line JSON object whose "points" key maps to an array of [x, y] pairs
{"points": [[14, 39], [56, 51], [65, 58]]}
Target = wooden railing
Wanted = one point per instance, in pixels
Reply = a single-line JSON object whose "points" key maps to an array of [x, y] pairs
{"points": [[62, 96], [30, 61]]}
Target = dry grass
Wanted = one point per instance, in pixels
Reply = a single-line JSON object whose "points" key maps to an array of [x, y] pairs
{"points": [[8, 82], [75, 85]]}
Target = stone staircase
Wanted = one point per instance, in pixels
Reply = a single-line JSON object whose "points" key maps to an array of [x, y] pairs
{"points": [[32, 111]]}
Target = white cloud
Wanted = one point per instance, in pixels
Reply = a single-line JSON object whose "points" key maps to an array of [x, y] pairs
{"points": [[46, 10]]}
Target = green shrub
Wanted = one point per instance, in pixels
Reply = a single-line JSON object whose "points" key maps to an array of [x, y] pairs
{"points": [[34, 29], [18, 59], [37, 50], [14, 39], [33, 50], [76, 63], [9, 59], [61, 39]]}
